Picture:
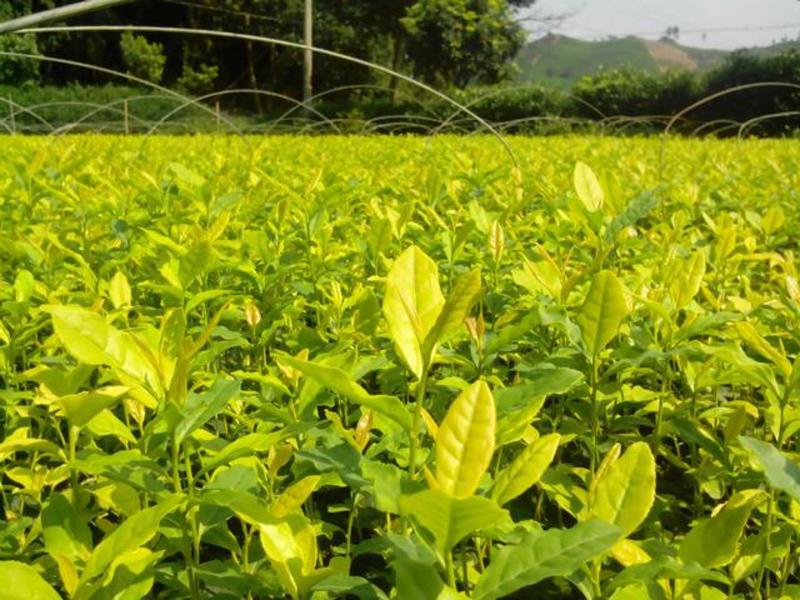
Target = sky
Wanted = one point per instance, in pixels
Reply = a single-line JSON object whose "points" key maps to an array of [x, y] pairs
{"points": [[726, 24]]}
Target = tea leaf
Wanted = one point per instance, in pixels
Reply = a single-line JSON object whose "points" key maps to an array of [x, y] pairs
{"points": [[543, 554], [625, 490], [22, 582], [341, 383], [602, 312], [201, 408], [588, 187], [451, 519], [412, 305], [713, 542], [526, 469], [781, 473], [465, 442]]}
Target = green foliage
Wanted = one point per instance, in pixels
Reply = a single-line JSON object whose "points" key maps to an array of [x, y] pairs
{"points": [[18, 70], [456, 42], [141, 58], [375, 367], [197, 81]]}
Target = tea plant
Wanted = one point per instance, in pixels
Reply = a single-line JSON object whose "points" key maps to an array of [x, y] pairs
{"points": [[398, 368]]}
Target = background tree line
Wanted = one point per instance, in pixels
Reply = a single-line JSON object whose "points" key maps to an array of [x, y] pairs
{"points": [[446, 43], [465, 47]]}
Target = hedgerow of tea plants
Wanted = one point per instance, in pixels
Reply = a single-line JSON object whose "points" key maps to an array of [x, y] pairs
{"points": [[398, 368]]}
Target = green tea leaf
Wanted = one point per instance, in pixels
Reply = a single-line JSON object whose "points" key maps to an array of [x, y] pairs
{"points": [[543, 554], [294, 496], [782, 474], [420, 580], [90, 339], [687, 281], [588, 187], [713, 542], [412, 305], [526, 469], [624, 491], [602, 312], [201, 408], [120, 291], [131, 534], [341, 383], [81, 408], [464, 294], [465, 443], [451, 519], [22, 582]]}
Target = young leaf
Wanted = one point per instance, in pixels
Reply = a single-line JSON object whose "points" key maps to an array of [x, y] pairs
{"points": [[415, 579], [588, 187], [65, 532], [22, 582], [291, 547], [131, 534], [90, 339], [465, 442], [465, 292], [624, 493], [341, 383], [602, 312], [713, 542], [120, 290], [526, 469], [543, 554], [750, 335], [81, 408], [450, 519], [687, 282], [412, 305], [294, 496], [782, 473], [200, 408], [130, 576]]}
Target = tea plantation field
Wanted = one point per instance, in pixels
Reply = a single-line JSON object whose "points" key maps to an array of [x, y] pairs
{"points": [[374, 368]]}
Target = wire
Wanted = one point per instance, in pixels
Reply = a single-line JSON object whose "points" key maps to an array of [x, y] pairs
{"points": [[697, 30], [228, 11]]}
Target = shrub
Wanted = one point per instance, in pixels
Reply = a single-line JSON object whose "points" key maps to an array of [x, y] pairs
{"points": [[142, 59]]}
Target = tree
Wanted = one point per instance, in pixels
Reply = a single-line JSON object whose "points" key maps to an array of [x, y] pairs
{"points": [[458, 42], [14, 70]]}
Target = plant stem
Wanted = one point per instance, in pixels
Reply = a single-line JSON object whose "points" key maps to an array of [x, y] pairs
{"points": [[412, 450], [72, 441], [350, 520], [786, 569], [464, 568], [176, 476], [767, 546], [594, 417], [451, 571], [665, 386]]}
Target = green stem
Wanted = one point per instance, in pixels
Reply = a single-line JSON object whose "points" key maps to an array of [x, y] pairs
{"points": [[594, 417], [464, 568], [451, 571], [767, 547], [350, 520], [666, 386], [176, 475], [73, 434], [412, 450], [785, 570]]}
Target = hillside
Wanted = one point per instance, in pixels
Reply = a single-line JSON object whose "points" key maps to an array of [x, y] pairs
{"points": [[561, 60]]}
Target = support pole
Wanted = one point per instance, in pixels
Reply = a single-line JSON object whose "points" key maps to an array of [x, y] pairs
{"points": [[12, 111], [127, 118], [58, 14], [308, 58]]}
